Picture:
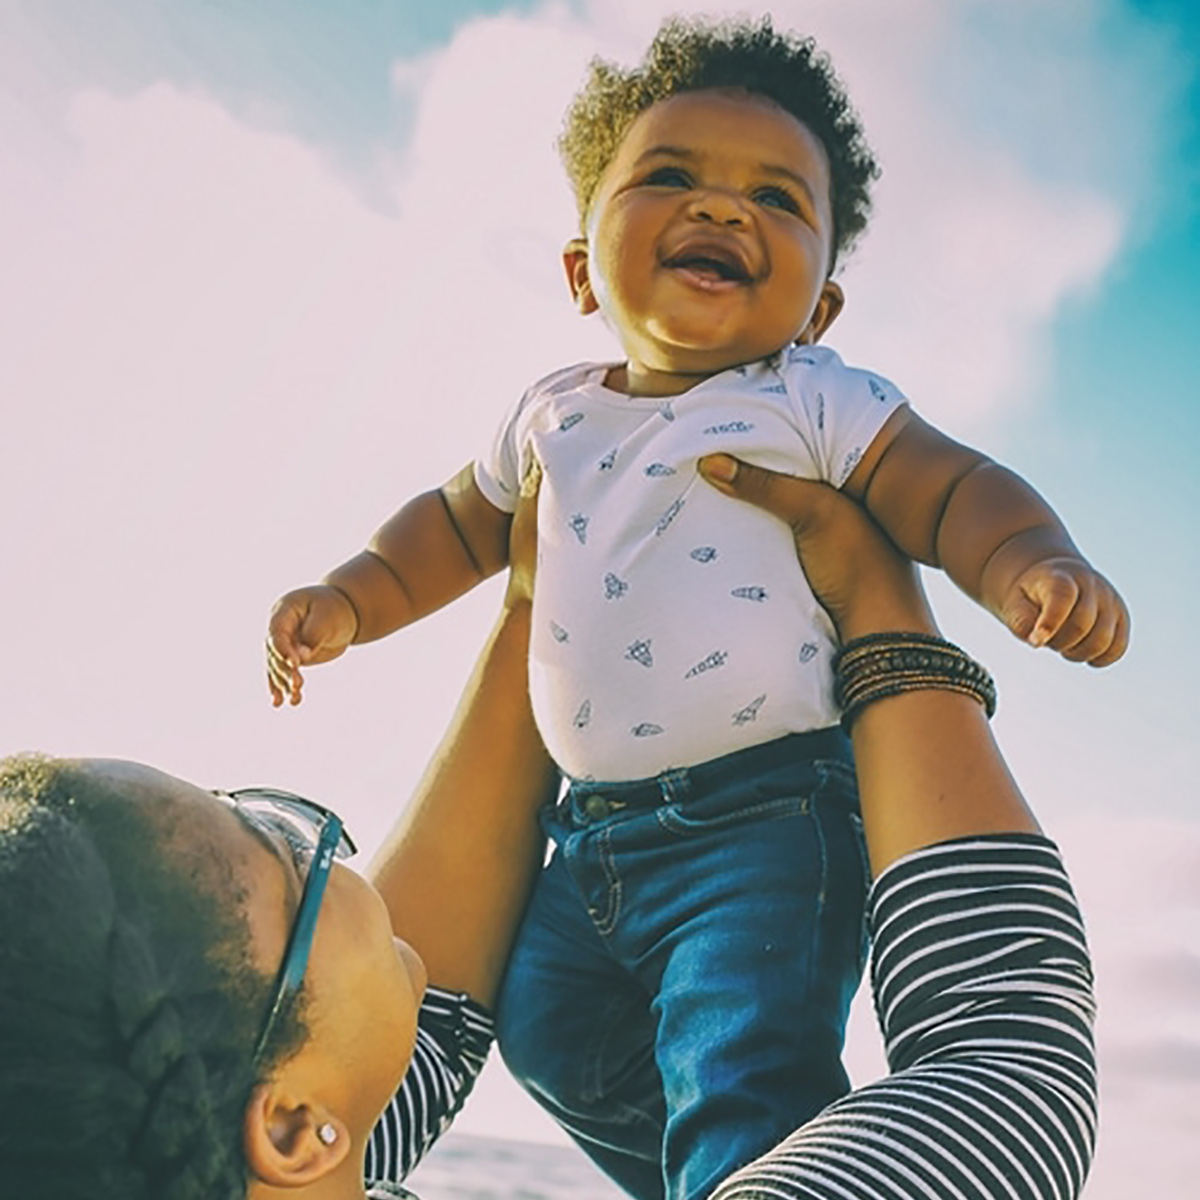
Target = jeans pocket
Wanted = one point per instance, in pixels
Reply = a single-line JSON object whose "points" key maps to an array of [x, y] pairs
{"points": [[839, 780], [730, 807]]}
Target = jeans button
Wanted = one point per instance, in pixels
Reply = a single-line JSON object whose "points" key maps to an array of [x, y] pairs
{"points": [[596, 807]]}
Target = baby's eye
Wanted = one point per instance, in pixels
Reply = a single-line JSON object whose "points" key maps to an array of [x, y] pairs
{"points": [[668, 177], [776, 197]]}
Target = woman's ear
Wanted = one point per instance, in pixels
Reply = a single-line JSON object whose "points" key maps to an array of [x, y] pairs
{"points": [[290, 1143], [831, 302], [575, 261]]}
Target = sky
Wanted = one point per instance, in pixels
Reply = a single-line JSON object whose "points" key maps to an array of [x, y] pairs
{"points": [[268, 270]]}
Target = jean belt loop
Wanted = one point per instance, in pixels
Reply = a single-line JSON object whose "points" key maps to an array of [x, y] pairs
{"points": [[674, 785]]}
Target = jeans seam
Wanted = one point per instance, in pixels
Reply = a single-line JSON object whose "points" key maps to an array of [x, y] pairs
{"points": [[676, 823], [607, 923], [823, 852]]}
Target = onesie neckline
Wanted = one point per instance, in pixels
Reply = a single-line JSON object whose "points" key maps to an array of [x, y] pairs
{"points": [[594, 381]]}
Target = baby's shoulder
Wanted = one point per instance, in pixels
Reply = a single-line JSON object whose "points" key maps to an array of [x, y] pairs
{"points": [[556, 396], [567, 379], [812, 370]]}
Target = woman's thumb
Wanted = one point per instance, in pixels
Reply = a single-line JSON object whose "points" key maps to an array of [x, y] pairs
{"points": [[785, 496]]}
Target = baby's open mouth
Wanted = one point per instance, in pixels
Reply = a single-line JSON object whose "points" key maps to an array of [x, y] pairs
{"points": [[710, 263]]}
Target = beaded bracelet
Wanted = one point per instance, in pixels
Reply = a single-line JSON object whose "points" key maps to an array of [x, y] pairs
{"points": [[886, 664]]}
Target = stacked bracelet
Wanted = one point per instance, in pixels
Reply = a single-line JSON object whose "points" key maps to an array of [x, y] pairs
{"points": [[886, 664]]}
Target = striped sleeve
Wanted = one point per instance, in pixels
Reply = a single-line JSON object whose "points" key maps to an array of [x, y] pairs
{"points": [[454, 1035], [983, 989]]}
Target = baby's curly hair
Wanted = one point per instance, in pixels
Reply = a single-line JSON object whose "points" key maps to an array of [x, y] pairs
{"points": [[690, 55]]}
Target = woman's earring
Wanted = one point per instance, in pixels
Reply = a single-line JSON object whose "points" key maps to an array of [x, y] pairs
{"points": [[327, 1134]]}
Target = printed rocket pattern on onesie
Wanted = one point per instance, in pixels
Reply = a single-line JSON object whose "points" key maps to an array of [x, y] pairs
{"points": [[671, 624]]}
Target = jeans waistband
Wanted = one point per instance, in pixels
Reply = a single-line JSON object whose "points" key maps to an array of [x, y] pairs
{"points": [[678, 783]]}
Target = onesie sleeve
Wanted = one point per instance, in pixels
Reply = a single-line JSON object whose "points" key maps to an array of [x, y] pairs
{"points": [[454, 1034], [842, 408], [498, 473]]}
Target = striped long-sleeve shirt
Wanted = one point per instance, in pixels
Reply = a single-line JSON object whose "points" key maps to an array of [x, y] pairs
{"points": [[983, 989], [453, 1037]]}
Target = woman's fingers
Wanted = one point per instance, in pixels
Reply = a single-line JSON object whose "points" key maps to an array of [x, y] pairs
{"points": [[800, 502], [522, 538], [853, 568]]}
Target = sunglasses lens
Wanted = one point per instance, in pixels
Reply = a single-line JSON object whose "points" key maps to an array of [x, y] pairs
{"points": [[296, 819]]}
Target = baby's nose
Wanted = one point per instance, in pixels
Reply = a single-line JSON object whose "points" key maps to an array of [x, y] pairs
{"points": [[719, 208]]}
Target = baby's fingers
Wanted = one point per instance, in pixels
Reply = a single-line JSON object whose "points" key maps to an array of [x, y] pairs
{"points": [[274, 688], [1093, 641], [283, 676], [1055, 595], [283, 632], [1104, 641], [1119, 643], [1078, 625]]}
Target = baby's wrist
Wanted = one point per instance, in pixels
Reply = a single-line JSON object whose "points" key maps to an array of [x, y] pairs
{"points": [[351, 604], [1018, 555]]}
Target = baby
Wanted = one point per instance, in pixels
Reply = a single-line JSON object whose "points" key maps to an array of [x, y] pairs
{"points": [[678, 993]]}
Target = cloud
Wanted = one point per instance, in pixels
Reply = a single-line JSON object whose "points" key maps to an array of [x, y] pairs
{"points": [[970, 253], [226, 359]]}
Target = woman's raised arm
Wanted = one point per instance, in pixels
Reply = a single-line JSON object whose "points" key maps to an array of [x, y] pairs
{"points": [[456, 870], [979, 966], [928, 767]]}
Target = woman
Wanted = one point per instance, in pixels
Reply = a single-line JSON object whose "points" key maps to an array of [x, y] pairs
{"points": [[170, 1028], [980, 971], [135, 1066]]}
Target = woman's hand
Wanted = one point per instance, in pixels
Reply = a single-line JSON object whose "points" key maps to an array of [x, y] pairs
{"points": [[522, 540], [861, 579], [928, 769]]}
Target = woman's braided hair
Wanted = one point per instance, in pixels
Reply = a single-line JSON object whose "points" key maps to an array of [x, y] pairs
{"points": [[692, 54], [129, 1002]]}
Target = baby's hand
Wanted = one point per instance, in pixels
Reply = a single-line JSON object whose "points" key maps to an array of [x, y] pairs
{"points": [[308, 626], [1065, 604]]}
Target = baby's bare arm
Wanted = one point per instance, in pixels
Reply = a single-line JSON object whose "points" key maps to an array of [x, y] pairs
{"points": [[438, 546], [951, 507]]}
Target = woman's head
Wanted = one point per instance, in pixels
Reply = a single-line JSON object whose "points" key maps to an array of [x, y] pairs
{"points": [[144, 921]]}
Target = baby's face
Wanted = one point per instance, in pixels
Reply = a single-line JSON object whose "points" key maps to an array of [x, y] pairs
{"points": [[709, 239]]}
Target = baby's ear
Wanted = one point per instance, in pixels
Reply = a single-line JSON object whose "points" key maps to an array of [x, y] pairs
{"points": [[829, 304], [575, 261]]}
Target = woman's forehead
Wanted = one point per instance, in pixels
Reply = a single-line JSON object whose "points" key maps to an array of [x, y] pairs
{"points": [[179, 809], [211, 840]]}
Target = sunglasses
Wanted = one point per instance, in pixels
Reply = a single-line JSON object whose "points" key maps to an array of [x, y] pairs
{"points": [[315, 837]]}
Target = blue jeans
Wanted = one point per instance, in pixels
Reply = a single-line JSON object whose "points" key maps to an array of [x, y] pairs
{"points": [[678, 992]]}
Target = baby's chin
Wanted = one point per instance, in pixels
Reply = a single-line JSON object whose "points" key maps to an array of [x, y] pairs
{"points": [[709, 347], [705, 358]]}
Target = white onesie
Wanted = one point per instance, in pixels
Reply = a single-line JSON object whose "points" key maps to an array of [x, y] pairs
{"points": [[671, 624]]}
